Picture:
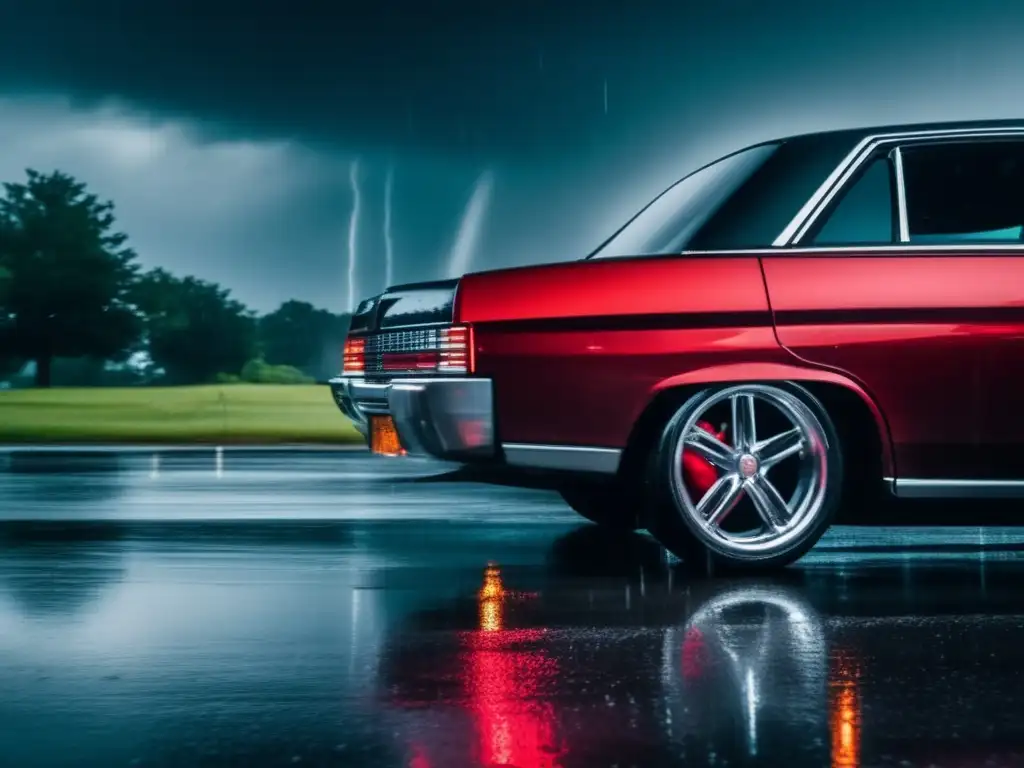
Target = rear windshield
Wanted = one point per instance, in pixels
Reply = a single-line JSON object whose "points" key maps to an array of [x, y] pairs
{"points": [[669, 223], [745, 200]]}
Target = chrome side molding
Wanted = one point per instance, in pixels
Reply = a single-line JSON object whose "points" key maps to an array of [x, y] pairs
{"points": [[573, 458], [915, 488]]}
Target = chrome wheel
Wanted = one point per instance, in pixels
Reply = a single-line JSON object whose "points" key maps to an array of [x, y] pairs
{"points": [[771, 436]]}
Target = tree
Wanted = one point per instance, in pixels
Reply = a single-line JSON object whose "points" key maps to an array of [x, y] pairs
{"points": [[194, 330], [68, 274], [304, 337], [7, 360]]}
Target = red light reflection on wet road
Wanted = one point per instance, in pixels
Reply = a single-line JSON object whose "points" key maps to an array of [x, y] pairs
{"points": [[695, 654], [507, 670]]}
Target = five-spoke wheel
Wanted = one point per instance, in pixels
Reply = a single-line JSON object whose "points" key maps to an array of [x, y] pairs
{"points": [[776, 476]]}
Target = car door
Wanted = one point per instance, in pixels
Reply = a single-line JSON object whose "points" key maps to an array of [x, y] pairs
{"points": [[913, 284]]}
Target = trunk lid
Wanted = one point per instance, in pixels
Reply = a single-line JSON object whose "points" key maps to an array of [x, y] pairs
{"points": [[407, 306]]}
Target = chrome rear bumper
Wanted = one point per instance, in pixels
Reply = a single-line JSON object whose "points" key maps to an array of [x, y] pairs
{"points": [[450, 419]]}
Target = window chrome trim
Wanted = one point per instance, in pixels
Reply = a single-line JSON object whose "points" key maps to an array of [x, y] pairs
{"points": [[901, 196], [989, 249], [805, 218], [834, 179]]}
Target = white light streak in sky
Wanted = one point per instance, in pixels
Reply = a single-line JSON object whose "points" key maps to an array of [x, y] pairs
{"points": [[353, 232], [389, 246], [471, 226]]}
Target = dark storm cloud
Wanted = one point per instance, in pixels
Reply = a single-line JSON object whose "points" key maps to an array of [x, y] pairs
{"points": [[456, 76], [229, 151], [522, 77]]}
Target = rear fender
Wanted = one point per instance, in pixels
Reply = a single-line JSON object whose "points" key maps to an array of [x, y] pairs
{"points": [[743, 372]]}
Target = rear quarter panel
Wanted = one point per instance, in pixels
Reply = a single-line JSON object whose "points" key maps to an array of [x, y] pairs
{"points": [[934, 338], [578, 350]]}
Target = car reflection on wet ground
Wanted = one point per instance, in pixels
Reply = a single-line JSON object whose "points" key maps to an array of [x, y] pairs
{"points": [[313, 609]]}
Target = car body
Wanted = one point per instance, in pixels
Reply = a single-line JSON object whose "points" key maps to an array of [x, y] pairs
{"points": [[859, 293]]}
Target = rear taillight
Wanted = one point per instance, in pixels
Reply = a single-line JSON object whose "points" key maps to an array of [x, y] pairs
{"points": [[354, 359], [455, 350], [445, 351]]}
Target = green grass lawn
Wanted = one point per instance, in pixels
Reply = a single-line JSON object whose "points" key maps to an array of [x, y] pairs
{"points": [[229, 414]]}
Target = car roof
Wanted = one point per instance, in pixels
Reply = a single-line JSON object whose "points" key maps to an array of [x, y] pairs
{"points": [[854, 135]]}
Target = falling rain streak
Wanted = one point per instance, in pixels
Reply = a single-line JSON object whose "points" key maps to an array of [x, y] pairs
{"points": [[471, 226], [389, 252], [353, 231]]}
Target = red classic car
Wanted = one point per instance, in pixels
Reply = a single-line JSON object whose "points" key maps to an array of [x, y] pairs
{"points": [[789, 326]]}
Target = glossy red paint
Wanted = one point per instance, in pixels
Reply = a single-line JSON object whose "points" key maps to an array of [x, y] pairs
{"points": [[579, 350], [625, 288], [602, 336], [936, 339]]}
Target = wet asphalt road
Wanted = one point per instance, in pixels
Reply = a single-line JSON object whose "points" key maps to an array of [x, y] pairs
{"points": [[334, 609]]}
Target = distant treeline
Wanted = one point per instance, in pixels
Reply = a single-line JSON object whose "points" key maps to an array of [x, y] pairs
{"points": [[76, 310]]}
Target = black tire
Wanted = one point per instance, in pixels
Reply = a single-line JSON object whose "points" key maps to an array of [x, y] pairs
{"points": [[606, 504], [677, 532]]}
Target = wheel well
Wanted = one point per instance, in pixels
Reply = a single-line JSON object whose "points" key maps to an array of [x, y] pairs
{"points": [[647, 430], [858, 435], [861, 442]]}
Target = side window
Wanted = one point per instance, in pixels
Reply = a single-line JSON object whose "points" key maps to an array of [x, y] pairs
{"points": [[864, 214], [965, 192]]}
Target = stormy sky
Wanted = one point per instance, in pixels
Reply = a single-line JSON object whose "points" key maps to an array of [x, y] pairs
{"points": [[226, 132]]}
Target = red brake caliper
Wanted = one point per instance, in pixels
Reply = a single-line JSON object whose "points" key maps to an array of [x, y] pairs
{"points": [[699, 473]]}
